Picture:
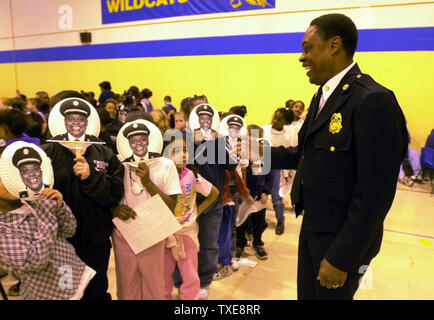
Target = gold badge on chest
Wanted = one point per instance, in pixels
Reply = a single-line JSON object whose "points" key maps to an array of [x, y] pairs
{"points": [[335, 123]]}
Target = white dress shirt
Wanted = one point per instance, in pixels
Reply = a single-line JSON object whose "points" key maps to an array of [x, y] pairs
{"points": [[331, 85], [72, 138]]}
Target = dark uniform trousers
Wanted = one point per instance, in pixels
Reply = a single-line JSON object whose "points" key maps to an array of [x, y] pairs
{"points": [[98, 259], [312, 247]]}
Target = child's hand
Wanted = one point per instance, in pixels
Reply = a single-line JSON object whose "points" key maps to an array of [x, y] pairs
{"points": [[198, 137], [124, 212], [250, 149], [52, 194], [81, 168], [249, 200], [143, 173]]}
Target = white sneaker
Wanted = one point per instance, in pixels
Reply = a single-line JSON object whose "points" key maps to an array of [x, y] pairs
{"points": [[235, 264], [203, 293], [223, 273]]}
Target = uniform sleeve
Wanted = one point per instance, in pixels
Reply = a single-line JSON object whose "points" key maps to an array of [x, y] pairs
{"points": [[378, 147], [106, 189], [284, 158], [203, 186]]}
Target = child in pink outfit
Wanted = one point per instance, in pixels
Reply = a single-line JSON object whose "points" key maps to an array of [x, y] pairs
{"points": [[183, 246]]}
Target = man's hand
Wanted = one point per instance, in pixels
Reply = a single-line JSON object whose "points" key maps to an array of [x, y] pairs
{"points": [[124, 212], [81, 168], [143, 173], [330, 277], [52, 194]]}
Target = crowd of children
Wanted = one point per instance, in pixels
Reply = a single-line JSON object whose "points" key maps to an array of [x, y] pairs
{"points": [[204, 197]]}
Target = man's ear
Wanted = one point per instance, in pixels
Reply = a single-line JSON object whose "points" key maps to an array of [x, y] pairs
{"points": [[335, 45]]}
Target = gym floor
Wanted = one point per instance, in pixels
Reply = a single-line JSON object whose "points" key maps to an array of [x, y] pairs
{"points": [[401, 271]]}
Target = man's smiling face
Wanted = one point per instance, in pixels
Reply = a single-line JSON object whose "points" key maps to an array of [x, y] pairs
{"points": [[316, 57], [76, 124], [139, 144], [234, 131], [205, 121], [31, 175]]}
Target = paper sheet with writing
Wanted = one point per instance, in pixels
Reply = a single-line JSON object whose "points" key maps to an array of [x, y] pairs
{"points": [[154, 222]]}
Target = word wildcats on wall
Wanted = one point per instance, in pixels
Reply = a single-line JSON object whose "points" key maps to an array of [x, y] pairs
{"points": [[115, 11]]}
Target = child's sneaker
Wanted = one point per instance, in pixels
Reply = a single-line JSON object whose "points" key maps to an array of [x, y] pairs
{"points": [[204, 293], [417, 178], [260, 252], [407, 181], [249, 238], [238, 252], [235, 264], [222, 272]]}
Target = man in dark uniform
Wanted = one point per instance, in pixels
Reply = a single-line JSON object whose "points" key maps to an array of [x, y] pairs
{"points": [[138, 138], [91, 186], [350, 149], [76, 113], [28, 161], [205, 113]]}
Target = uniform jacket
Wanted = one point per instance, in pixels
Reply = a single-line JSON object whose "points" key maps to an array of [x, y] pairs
{"points": [[152, 155], [91, 199], [25, 193], [346, 181], [87, 137]]}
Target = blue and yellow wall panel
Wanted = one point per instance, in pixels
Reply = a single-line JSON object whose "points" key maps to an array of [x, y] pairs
{"points": [[245, 57]]}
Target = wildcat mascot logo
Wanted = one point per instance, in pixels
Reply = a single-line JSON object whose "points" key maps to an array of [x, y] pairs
{"points": [[238, 3]]}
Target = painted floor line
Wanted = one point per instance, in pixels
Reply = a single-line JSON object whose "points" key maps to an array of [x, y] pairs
{"points": [[410, 234], [389, 230]]}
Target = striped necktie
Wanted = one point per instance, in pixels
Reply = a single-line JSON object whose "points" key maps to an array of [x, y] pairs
{"points": [[321, 103]]}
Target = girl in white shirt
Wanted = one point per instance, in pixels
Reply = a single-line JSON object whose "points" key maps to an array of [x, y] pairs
{"points": [[279, 134]]}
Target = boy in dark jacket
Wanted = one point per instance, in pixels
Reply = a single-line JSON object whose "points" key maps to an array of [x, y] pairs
{"points": [[91, 185], [260, 186]]}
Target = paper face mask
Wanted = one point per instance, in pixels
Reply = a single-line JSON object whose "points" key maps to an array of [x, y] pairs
{"points": [[204, 117], [233, 126], [138, 140], [25, 170], [73, 119], [75, 124]]}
